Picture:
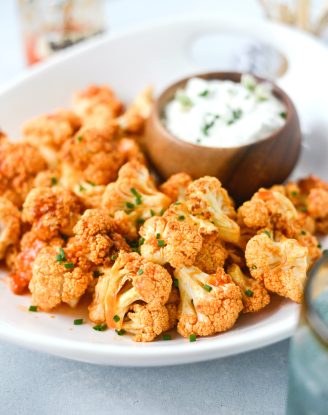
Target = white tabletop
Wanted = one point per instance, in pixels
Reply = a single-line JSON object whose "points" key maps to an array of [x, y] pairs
{"points": [[34, 383]]}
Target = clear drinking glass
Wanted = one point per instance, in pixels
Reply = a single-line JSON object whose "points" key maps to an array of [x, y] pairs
{"points": [[308, 359], [52, 25]]}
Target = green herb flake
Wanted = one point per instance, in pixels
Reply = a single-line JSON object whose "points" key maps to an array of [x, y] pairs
{"points": [[175, 282], [158, 235], [161, 212], [69, 265], [267, 233], [81, 188], [249, 293], [33, 308], [78, 322], [140, 271], [204, 93], [319, 246], [100, 327], [184, 100], [116, 318], [294, 193], [177, 203], [141, 241], [161, 243], [140, 221], [120, 332], [152, 213], [96, 273], [254, 267], [181, 217], [283, 115], [113, 257], [236, 115], [129, 205], [79, 138], [54, 181], [60, 257], [207, 288], [303, 209], [137, 196], [167, 337], [192, 338], [303, 232], [208, 125], [92, 184]]}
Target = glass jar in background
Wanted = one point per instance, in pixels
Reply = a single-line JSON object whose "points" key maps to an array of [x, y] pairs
{"points": [[308, 359], [52, 25]]}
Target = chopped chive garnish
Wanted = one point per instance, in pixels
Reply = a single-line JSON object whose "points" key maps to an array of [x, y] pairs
{"points": [[92, 184], [129, 205], [175, 282], [283, 114], [249, 293], [152, 213], [160, 243], [177, 203], [254, 267], [60, 257], [158, 235], [69, 265], [100, 327], [141, 241], [207, 288], [140, 221], [161, 212], [198, 140], [236, 115], [113, 257], [167, 337], [81, 188], [33, 308], [303, 232], [267, 233], [96, 273], [78, 322], [79, 138], [204, 93], [120, 332], [192, 338], [319, 246], [116, 318], [294, 193], [140, 271], [184, 100], [303, 209], [137, 196], [181, 217], [54, 181], [208, 125]]}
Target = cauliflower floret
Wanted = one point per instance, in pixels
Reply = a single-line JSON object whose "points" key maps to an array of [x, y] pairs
{"points": [[166, 240], [96, 239], [131, 150], [254, 295], [89, 194], [146, 322], [50, 211], [280, 265], [55, 281], [92, 156], [19, 164], [212, 254], [97, 106], [175, 186], [172, 306], [207, 200], [47, 178], [133, 120], [209, 303], [130, 280], [133, 198], [10, 221], [49, 132], [21, 268]]}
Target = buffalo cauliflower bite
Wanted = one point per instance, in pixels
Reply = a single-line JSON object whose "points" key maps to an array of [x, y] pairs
{"points": [[133, 198], [19, 164], [133, 120], [55, 281], [51, 211], [91, 156], [130, 150], [49, 133], [97, 106], [10, 223], [131, 280], [48, 178], [96, 239], [281, 265], [147, 321], [166, 240], [212, 254], [210, 303], [254, 295], [21, 268], [89, 194], [175, 186], [207, 200]]}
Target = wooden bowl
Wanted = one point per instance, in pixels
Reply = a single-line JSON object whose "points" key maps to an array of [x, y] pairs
{"points": [[242, 170]]}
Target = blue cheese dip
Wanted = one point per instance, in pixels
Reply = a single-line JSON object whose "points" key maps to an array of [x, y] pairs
{"points": [[222, 113]]}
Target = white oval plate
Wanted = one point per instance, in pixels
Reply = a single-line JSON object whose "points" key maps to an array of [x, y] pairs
{"points": [[158, 55]]}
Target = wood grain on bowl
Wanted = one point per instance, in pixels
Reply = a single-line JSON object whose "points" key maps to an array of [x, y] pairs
{"points": [[242, 169]]}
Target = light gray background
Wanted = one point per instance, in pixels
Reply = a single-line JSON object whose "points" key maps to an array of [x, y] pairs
{"points": [[34, 383]]}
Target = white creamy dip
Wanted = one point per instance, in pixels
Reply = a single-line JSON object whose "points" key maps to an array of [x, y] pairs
{"points": [[218, 113]]}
